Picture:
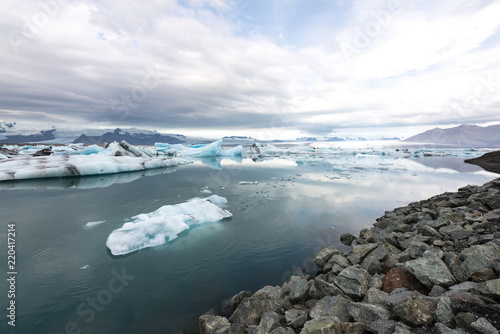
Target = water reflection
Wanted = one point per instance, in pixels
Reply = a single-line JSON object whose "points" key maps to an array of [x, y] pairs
{"points": [[82, 182]]}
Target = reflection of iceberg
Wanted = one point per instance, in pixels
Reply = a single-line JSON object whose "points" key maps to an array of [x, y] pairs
{"points": [[163, 225], [86, 182], [211, 150]]}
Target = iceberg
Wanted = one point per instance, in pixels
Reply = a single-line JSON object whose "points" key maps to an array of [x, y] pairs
{"points": [[164, 225], [211, 150], [77, 165]]}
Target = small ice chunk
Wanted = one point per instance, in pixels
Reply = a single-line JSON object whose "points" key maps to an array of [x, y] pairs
{"points": [[248, 182], [216, 199], [92, 224], [205, 191], [85, 267]]}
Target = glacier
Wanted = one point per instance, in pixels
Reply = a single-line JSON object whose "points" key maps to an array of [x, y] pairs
{"points": [[164, 225]]}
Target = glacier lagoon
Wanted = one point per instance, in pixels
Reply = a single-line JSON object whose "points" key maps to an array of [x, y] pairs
{"points": [[284, 209]]}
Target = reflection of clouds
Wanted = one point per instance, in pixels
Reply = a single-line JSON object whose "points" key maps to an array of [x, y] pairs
{"points": [[82, 182]]}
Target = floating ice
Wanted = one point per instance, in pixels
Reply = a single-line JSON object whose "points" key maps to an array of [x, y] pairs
{"points": [[163, 225], [211, 150], [93, 224], [85, 267], [216, 199], [77, 165], [246, 183]]}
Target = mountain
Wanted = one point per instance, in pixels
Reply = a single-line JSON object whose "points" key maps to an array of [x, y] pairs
{"points": [[140, 138], [463, 136], [15, 133]]}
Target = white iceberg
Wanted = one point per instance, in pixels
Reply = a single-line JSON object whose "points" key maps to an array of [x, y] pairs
{"points": [[77, 165], [163, 225], [211, 150]]}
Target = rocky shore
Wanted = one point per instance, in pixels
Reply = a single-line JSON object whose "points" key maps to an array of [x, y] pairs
{"points": [[430, 267]]}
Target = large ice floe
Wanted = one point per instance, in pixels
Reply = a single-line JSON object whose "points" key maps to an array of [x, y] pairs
{"points": [[46, 161], [164, 225]]}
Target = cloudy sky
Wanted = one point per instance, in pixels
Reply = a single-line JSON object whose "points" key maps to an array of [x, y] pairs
{"points": [[266, 68]]}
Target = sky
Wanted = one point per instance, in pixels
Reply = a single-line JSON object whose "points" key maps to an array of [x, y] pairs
{"points": [[271, 69]]}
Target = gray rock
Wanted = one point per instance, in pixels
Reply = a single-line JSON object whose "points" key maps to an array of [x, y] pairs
{"points": [[283, 330], [430, 271], [483, 326], [363, 250], [236, 299], [324, 255], [396, 297], [295, 318], [368, 313], [250, 310], [473, 263], [401, 328], [444, 313], [382, 326], [375, 296], [323, 288], [322, 325], [213, 324], [483, 275], [292, 282], [491, 287], [464, 321], [353, 258], [339, 260], [437, 291], [460, 234], [415, 310], [268, 322], [299, 292], [371, 264], [347, 239], [332, 306], [442, 329], [237, 329], [353, 281]]}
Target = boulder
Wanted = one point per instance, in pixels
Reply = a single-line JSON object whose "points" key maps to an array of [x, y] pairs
{"points": [[250, 310], [430, 271], [299, 292], [491, 287], [368, 313], [268, 322], [212, 324], [295, 318], [415, 310], [483, 326], [324, 255], [347, 239], [353, 281], [322, 325], [332, 307], [363, 250]]}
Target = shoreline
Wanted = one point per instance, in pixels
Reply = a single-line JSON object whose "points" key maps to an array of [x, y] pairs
{"points": [[431, 266]]}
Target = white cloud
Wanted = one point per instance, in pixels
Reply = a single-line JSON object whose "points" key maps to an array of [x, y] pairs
{"points": [[160, 64]]}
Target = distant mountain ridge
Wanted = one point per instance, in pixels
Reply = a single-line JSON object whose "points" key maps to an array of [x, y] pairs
{"points": [[15, 133], [463, 135], [132, 138]]}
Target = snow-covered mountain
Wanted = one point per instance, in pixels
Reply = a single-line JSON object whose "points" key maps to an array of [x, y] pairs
{"points": [[16, 133], [463, 136]]}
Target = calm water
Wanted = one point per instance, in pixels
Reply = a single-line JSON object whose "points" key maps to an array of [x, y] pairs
{"points": [[277, 227]]}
